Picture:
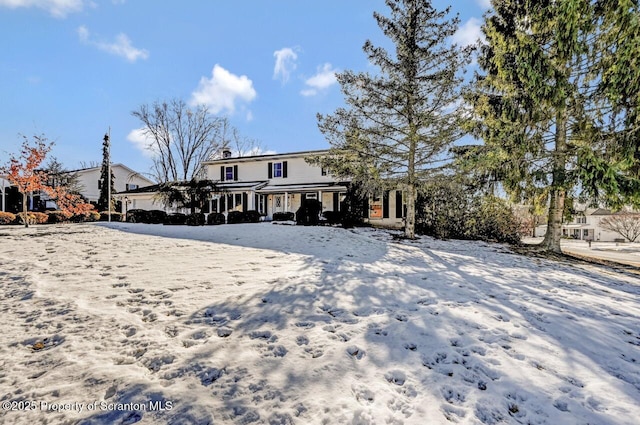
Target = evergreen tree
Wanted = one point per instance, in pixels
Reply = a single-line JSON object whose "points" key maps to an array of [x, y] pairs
{"points": [[107, 180], [399, 121], [544, 108]]}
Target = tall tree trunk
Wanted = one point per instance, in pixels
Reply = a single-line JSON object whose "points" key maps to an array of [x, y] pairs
{"points": [[25, 219], [558, 195], [410, 220]]}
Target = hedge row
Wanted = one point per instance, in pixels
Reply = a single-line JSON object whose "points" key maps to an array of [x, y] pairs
{"points": [[52, 217], [197, 219]]}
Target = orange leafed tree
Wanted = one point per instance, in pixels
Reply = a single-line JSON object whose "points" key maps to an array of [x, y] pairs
{"points": [[69, 203], [23, 170]]}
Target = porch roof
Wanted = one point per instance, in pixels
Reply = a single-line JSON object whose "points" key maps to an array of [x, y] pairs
{"points": [[239, 186], [304, 187]]}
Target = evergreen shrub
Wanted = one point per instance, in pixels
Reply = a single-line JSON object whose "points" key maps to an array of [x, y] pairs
{"points": [[54, 217], [309, 213], [283, 216], [215, 218], [234, 217], [195, 219], [176, 219]]}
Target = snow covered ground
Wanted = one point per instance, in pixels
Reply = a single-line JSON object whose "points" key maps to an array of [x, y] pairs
{"points": [[258, 323]]}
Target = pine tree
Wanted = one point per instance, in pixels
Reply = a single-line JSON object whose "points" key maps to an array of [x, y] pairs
{"points": [[544, 109], [107, 180], [399, 121]]}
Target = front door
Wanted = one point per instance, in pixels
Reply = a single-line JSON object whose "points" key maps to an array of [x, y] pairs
{"points": [[278, 203]]}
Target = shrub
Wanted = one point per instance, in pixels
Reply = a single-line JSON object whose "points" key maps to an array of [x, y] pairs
{"points": [[7, 217], [40, 217], [93, 216], [196, 219], [309, 213], [493, 220], [136, 216], [215, 218], [252, 216], [234, 217], [155, 217], [20, 218], [283, 216], [332, 217], [115, 216], [176, 218], [54, 217]]}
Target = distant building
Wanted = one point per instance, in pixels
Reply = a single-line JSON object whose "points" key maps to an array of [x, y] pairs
{"points": [[585, 226], [88, 186]]}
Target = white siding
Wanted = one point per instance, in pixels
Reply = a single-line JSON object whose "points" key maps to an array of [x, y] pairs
{"points": [[298, 171]]}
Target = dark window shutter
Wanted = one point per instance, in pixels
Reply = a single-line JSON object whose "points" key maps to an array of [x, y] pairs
{"points": [[235, 172], [398, 204], [222, 173], [284, 169], [385, 204], [223, 201], [303, 199], [245, 202], [270, 169], [336, 201], [256, 202]]}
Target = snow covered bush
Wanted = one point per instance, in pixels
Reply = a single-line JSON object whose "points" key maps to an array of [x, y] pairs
{"points": [[283, 216]]}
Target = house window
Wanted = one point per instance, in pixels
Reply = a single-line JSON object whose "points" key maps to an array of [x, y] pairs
{"points": [[278, 200], [131, 186], [228, 173], [277, 169]]}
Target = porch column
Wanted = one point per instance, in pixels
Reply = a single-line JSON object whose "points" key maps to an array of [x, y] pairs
{"points": [[218, 204], [320, 199], [4, 191], [286, 202], [252, 200]]}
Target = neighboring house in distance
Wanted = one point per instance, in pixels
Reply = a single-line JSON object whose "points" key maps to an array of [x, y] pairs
{"points": [[275, 183], [585, 226], [125, 179], [88, 186]]}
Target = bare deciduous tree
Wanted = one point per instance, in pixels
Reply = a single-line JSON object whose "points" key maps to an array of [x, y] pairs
{"points": [[624, 223], [179, 137]]}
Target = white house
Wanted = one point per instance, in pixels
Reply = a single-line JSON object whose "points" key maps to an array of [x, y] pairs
{"points": [[277, 183], [125, 179], [585, 226]]}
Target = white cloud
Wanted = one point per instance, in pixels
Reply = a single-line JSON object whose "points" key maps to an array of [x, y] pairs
{"points": [[223, 90], [485, 4], [57, 8], [324, 78], [120, 47], [285, 64], [140, 140], [469, 33]]}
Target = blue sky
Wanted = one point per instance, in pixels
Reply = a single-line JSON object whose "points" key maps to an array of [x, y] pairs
{"points": [[72, 69]]}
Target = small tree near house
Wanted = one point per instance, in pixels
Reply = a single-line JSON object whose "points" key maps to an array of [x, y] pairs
{"points": [[624, 223], [23, 171]]}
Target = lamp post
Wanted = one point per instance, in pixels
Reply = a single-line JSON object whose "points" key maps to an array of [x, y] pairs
{"points": [[126, 207]]}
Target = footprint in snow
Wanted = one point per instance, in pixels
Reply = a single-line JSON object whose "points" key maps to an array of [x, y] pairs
{"points": [[355, 352]]}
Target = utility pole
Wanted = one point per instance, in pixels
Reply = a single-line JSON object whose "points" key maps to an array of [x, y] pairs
{"points": [[108, 146]]}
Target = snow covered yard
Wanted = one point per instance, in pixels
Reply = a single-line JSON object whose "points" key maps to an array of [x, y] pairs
{"points": [[239, 324]]}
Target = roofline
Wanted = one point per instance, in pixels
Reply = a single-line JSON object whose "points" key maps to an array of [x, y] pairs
{"points": [[113, 165], [267, 156]]}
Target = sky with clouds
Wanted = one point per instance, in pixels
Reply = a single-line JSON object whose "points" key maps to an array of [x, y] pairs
{"points": [[75, 69]]}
